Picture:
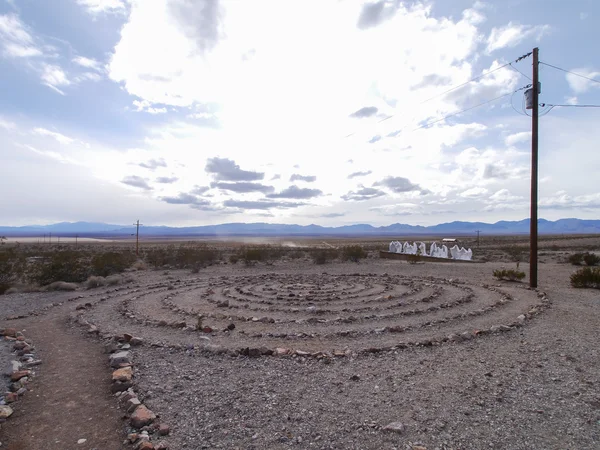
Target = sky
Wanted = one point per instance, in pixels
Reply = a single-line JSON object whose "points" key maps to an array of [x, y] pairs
{"points": [[334, 112]]}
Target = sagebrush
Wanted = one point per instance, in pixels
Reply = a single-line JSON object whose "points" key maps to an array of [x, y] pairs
{"points": [[586, 277], [509, 274]]}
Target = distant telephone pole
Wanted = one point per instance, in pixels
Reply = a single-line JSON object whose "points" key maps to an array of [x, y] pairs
{"points": [[76, 236], [137, 237], [478, 231]]}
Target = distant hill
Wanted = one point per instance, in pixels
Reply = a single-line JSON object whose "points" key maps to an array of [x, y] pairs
{"points": [[562, 226]]}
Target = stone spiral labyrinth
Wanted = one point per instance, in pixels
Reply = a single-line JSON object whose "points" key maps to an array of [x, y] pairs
{"points": [[311, 313]]}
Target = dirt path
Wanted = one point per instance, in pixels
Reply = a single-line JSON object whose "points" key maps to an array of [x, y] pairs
{"points": [[70, 398]]}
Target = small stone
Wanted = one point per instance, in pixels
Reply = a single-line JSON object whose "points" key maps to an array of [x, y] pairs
{"points": [[418, 447], [280, 351], [120, 359], [5, 411], [11, 397], [395, 427], [10, 332], [132, 404], [355, 377], [132, 437], [136, 341], [164, 429], [120, 386], [231, 327], [82, 441], [145, 445], [16, 376], [127, 337], [123, 374], [141, 417], [207, 329], [161, 446], [521, 318]]}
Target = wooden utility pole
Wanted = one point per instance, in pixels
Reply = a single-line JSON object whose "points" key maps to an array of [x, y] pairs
{"points": [[137, 238], [533, 234], [478, 231]]}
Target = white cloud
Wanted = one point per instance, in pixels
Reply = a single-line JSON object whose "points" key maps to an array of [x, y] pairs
{"points": [[88, 63], [503, 196], [145, 105], [53, 76], [474, 192], [580, 85], [53, 134], [571, 100], [512, 139], [7, 125], [16, 40], [512, 34], [103, 6]]}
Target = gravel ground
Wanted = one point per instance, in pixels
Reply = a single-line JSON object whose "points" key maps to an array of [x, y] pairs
{"points": [[5, 364], [535, 386]]}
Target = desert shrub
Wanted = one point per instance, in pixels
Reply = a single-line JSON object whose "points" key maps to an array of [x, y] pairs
{"points": [[576, 259], [12, 290], [188, 256], [324, 255], [586, 277], [234, 258], [515, 252], [109, 263], [296, 254], [509, 274], [158, 257], [94, 282], [353, 253], [591, 259], [61, 286], [253, 255], [139, 265], [12, 268], [113, 280], [68, 266]]}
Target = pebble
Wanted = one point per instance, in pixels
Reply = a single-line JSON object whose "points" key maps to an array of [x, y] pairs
{"points": [[81, 441], [141, 417], [5, 411], [395, 427]]}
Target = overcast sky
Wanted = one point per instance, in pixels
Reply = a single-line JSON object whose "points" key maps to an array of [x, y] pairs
{"points": [[183, 112]]}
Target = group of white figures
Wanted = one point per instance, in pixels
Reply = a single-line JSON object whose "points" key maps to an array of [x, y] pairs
{"points": [[420, 248]]}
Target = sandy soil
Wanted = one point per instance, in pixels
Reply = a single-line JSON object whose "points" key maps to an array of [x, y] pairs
{"points": [[534, 386]]}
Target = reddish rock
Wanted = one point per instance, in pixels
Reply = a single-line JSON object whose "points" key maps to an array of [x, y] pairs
{"points": [[127, 337], [10, 332], [16, 376], [145, 445], [141, 417], [207, 329], [164, 429], [161, 446], [11, 397], [280, 351], [123, 374]]}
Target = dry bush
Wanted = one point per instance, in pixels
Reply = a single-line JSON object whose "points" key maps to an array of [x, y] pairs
{"points": [[109, 263], [186, 256], [12, 290], [576, 259], [591, 259], [61, 286], [586, 277], [95, 282], [324, 255], [516, 253], [509, 274], [413, 259], [253, 255], [68, 266], [12, 268], [139, 265], [353, 253]]}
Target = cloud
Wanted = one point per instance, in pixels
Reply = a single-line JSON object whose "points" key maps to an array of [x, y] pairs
{"points": [[495, 170], [260, 204], [136, 181], [364, 193], [580, 85], [276, 177], [185, 199], [53, 134], [375, 13], [397, 209], [332, 215], [16, 39], [360, 174], [226, 169], [200, 21], [53, 76], [7, 125], [153, 163], [398, 184], [88, 63], [200, 190], [297, 193], [146, 106], [166, 180], [503, 196], [512, 34], [103, 6], [367, 111], [474, 192], [374, 139], [523, 136], [307, 178], [243, 187]]}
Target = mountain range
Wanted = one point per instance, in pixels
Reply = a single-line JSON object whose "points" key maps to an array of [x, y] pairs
{"points": [[562, 226]]}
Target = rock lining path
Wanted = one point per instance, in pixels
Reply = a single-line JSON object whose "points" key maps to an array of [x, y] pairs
{"points": [[70, 397]]}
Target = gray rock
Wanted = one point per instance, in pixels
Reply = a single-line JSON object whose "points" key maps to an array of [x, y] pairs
{"points": [[395, 427], [120, 359]]}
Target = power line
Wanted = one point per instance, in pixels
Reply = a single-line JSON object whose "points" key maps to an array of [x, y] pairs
{"points": [[569, 106], [470, 81], [568, 71], [470, 108], [514, 68]]}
